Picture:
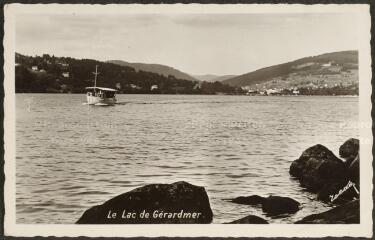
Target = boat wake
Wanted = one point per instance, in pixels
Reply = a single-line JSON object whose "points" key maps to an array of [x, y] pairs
{"points": [[122, 103], [100, 104], [104, 104]]}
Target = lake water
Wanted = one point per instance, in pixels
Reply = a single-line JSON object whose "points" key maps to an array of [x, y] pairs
{"points": [[72, 156]]}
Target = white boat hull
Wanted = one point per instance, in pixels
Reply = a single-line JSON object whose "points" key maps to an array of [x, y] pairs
{"points": [[94, 100]]}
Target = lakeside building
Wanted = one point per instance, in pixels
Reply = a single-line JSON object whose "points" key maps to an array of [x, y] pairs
{"points": [[198, 85], [65, 74], [327, 64], [252, 92], [273, 91], [133, 86], [63, 64], [296, 92]]}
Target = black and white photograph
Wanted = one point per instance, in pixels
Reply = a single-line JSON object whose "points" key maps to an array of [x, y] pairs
{"points": [[232, 120]]}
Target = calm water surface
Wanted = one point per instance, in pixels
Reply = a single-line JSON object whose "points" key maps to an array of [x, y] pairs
{"points": [[72, 156]]}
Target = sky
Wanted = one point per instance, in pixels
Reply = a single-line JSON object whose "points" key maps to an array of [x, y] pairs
{"points": [[193, 43]]}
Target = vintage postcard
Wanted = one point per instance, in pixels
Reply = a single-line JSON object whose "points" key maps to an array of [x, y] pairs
{"points": [[188, 120]]}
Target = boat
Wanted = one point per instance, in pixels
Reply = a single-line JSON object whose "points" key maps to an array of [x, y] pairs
{"points": [[100, 96]]}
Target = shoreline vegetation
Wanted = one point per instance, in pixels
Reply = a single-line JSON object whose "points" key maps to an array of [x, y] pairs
{"points": [[318, 170], [50, 74]]}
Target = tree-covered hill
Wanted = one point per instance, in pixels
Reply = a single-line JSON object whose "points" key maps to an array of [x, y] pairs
{"points": [[213, 78], [155, 68], [337, 68], [40, 74]]}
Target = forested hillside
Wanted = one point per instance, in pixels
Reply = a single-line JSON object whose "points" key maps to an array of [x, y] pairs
{"points": [[330, 70], [155, 68], [40, 74]]}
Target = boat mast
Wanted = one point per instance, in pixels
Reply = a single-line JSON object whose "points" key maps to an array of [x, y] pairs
{"points": [[96, 74]]}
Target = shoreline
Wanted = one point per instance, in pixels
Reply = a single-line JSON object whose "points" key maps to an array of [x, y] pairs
{"points": [[169, 94], [178, 197]]}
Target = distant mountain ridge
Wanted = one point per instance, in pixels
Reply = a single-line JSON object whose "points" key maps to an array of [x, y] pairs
{"points": [[155, 68], [315, 67], [213, 78]]}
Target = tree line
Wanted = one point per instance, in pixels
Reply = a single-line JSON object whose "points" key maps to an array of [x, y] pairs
{"points": [[50, 74]]}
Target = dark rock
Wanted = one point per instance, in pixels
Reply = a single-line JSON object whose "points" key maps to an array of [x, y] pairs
{"points": [[250, 200], [318, 166], [349, 150], [164, 198], [251, 219], [353, 170], [275, 205], [338, 192], [347, 213], [296, 168]]}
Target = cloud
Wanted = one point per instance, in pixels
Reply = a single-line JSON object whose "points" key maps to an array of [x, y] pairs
{"points": [[197, 43]]}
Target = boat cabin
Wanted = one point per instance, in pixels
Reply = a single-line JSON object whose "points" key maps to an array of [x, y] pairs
{"points": [[101, 92]]}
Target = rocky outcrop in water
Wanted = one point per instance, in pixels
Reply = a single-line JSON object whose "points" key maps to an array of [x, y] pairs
{"points": [[249, 200], [275, 205], [353, 169], [347, 213], [320, 171], [316, 167], [272, 205], [251, 219], [338, 192], [350, 152], [179, 202]]}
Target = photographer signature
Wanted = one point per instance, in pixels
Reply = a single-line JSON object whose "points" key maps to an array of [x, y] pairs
{"points": [[349, 185]]}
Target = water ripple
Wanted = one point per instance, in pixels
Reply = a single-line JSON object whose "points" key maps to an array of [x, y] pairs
{"points": [[73, 156]]}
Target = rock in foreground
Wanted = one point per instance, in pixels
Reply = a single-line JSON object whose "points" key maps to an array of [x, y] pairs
{"points": [[272, 205], [175, 203], [347, 213], [249, 200], [251, 219], [349, 150], [338, 192], [353, 169], [318, 166], [275, 205], [334, 180]]}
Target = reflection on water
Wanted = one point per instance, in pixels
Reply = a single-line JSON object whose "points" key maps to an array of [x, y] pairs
{"points": [[72, 156]]}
